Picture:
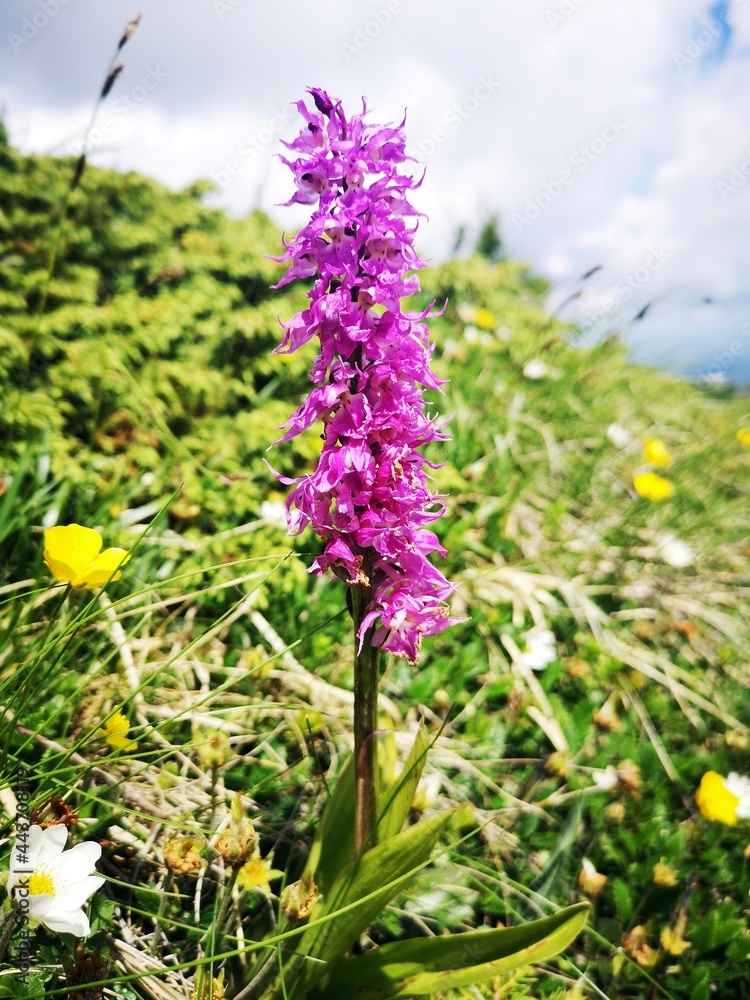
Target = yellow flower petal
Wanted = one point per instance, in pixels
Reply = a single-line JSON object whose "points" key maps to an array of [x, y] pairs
{"points": [[68, 548], [114, 732], [484, 319], [743, 436], [655, 453], [715, 801], [101, 569], [652, 486], [257, 874], [73, 555], [61, 571]]}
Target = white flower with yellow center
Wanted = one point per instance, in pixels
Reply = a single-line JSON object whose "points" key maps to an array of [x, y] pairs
{"points": [[540, 649], [49, 884]]}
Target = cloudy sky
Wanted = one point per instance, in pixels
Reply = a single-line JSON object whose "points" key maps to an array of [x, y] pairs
{"points": [[601, 132]]}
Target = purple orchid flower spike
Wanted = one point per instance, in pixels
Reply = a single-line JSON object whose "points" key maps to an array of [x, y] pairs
{"points": [[368, 499]]}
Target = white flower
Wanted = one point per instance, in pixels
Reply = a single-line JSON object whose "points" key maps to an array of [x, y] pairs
{"points": [[619, 436], [605, 778], [739, 786], [273, 512], [426, 792], [676, 553], [50, 884], [466, 312], [537, 369], [540, 649]]}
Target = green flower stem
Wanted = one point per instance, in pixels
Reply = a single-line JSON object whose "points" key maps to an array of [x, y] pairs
{"points": [[268, 969], [365, 723], [226, 899], [168, 883]]}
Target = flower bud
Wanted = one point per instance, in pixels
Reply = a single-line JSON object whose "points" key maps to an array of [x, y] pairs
{"points": [[441, 700]]}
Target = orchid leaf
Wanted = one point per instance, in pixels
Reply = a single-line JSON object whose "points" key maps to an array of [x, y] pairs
{"points": [[430, 965], [333, 845], [360, 892], [395, 801]]}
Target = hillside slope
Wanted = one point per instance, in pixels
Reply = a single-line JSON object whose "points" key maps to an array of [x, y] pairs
{"points": [[140, 377]]}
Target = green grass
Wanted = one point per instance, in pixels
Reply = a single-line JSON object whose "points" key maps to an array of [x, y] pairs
{"points": [[142, 401]]}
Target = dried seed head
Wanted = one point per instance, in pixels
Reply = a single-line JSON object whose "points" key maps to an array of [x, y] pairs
{"points": [[129, 30], [629, 776], [110, 81], [212, 748], [590, 880], [606, 718], [299, 898], [240, 841], [53, 812], [635, 945], [181, 855]]}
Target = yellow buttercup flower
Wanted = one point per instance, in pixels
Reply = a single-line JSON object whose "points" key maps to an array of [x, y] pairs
{"points": [[652, 486], [114, 732], [724, 800], [743, 436], [655, 453], [73, 555], [484, 319]]}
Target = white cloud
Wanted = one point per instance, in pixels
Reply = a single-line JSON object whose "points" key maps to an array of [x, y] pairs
{"points": [[652, 185]]}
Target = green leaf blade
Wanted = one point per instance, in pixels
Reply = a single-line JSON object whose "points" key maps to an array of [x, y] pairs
{"points": [[429, 965]]}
